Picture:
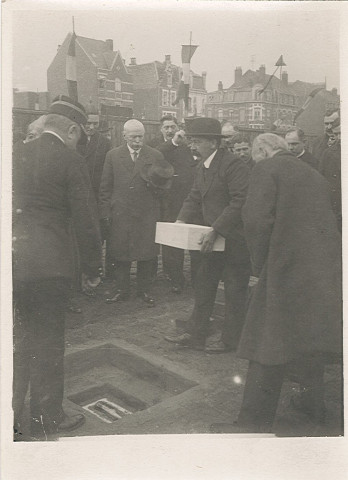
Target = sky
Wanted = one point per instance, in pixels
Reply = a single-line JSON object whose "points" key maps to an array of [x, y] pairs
{"points": [[227, 35]]}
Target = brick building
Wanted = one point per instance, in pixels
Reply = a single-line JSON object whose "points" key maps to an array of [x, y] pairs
{"points": [[31, 100], [102, 76], [155, 89], [276, 107]]}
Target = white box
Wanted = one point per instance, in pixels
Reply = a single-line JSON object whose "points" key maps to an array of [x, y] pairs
{"points": [[185, 236]]}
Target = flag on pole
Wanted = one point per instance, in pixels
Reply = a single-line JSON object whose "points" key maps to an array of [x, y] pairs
{"points": [[308, 101], [279, 63], [187, 52], [71, 76]]}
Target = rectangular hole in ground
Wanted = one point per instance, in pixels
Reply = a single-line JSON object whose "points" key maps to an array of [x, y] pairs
{"points": [[106, 380]]}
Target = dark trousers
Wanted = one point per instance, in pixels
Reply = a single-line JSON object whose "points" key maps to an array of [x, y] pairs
{"points": [[38, 335], [262, 391], [214, 267], [173, 264], [144, 275]]}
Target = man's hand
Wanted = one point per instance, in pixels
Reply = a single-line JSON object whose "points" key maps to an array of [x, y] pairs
{"points": [[179, 221], [179, 138], [207, 241]]}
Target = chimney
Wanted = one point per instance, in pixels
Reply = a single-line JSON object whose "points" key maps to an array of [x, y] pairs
{"points": [[262, 71], [334, 91], [204, 79], [220, 86], [167, 59], [238, 75], [133, 61], [285, 78], [109, 44]]}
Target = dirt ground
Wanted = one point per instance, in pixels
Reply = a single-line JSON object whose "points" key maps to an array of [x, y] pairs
{"points": [[136, 324]]}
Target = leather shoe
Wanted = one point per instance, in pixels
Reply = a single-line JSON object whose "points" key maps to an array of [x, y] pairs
{"points": [[70, 423], [147, 299], [185, 340], [218, 347], [119, 296]]}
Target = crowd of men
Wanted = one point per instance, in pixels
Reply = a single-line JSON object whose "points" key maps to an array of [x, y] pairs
{"points": [[277, 205]]}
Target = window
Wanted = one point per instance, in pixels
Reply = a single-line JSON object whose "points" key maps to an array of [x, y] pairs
{"points": [[172, 97], [169, 79], [220, 114], [209, 112], [118, 85], [165, 98], [101, 82]]}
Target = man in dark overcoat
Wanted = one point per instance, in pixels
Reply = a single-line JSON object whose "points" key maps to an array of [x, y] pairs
{"points": [[295, 138], [94, 152], [294, 313], [331, 120], [178, 154], [218, 194], [130, 207], [48, 191], [330, 168]]}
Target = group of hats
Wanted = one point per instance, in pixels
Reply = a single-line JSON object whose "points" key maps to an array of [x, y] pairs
{"points": [[158, 174]]}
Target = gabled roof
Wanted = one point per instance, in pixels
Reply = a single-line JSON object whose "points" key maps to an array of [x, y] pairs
{"points": [[251, 78], [98, 52], [148, 75]]}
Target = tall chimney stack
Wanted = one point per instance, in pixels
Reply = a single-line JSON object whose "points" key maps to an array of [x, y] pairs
{"points": [[238, 75], [109, 44]]}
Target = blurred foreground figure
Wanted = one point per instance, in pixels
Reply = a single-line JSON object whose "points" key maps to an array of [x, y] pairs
{"points": [[294, 312], [49, 190], [35, 129]]}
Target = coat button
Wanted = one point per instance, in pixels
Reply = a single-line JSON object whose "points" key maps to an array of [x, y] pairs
{"points": [[19, 211], [14, 239]]}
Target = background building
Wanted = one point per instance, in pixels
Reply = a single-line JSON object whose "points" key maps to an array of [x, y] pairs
{"points": [[31, 100], [275, 108], [155, 89], [102, 76]]}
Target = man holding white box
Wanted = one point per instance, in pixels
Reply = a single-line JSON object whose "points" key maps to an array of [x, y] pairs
{"points": [[218, 194]]}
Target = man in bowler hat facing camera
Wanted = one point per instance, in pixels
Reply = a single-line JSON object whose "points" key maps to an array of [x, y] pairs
{"points": [[217, 196], [49, 189]]}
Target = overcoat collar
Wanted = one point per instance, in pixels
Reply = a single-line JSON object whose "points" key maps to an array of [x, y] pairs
{"points": [[127, 160]]}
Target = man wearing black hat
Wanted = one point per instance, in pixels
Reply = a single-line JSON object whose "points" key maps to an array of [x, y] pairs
{"points": [[49, 189], [218, 194], [134, 177]]}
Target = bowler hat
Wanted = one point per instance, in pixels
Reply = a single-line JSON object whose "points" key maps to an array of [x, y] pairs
{"points": [[66, 106], [158, 175], [204, 127]]}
